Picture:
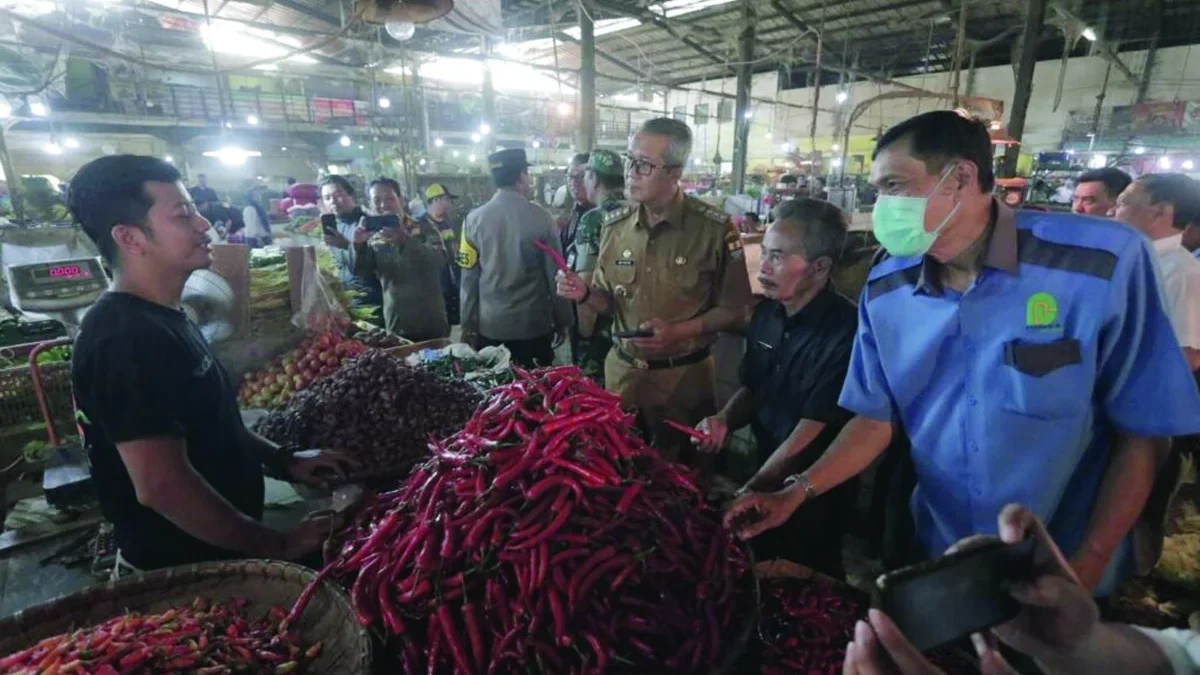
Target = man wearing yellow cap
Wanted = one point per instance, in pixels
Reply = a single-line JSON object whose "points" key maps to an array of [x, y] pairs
{"points": [[439, 214]]}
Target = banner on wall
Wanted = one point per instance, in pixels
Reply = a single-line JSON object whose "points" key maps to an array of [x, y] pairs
{"points": [[1149, 118], [1191, 116]]}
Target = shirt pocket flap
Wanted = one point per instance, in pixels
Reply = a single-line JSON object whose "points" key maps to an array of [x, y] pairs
{"points": [[1042, 358]]}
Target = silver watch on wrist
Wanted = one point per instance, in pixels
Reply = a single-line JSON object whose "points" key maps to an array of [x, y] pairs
{"points": [[810, 490]]}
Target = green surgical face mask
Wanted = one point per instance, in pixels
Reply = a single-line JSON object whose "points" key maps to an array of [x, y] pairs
{"points": [[899, 222]]}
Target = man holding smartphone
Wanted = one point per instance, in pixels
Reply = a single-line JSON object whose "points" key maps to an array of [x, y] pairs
{"points": [[337, 199], [1027, 356], [407, 258], [672, 274]]}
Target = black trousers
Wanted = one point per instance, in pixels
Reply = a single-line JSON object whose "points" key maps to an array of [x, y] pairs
{"points": [[535, 352]]}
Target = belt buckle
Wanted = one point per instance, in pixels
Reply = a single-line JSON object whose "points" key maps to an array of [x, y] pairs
{"points": [[640, 364]]}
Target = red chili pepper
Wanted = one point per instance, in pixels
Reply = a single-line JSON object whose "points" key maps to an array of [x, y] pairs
{"points": [[559, 261]]}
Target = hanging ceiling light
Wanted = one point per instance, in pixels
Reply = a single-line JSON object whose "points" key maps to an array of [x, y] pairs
{"points": [[385, 102], [471, 158], [1164, 162], [437, 142], [475, 137], [344, 141], [52, 148], [564, 108], [537, 144], [38, 109], [71, 143], [400, 30], [252, 120], [169, 159], [1089, 34], [1188, 165], [232, 155], [485, 128], [842, 96], [1139, 150]]}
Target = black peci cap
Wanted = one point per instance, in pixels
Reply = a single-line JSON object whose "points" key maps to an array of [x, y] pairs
{"points": [[508, 159]]}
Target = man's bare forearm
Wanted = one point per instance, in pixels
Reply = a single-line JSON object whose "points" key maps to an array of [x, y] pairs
{"points": [[779, 464], [1123, 492], [196, 508], [862, 440], [738, 410]]}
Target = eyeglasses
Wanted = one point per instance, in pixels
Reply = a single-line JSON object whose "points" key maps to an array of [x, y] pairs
{"points": [[642, 167]]}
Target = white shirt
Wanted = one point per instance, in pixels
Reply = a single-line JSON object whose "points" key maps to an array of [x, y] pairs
{"points": [[1181, 288], [1181, 647], [254, 225]]}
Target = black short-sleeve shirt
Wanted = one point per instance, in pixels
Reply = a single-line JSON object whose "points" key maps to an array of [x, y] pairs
{"points": [[795, 368], [141, 370]]}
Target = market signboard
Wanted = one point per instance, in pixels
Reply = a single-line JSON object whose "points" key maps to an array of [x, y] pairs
{"points": [[1164, 117]]}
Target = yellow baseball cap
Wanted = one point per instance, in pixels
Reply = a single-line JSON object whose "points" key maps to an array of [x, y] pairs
{"points": [[438, 190]]}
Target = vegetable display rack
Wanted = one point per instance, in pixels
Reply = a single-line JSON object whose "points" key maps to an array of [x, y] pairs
{"points": [[34, 395]]}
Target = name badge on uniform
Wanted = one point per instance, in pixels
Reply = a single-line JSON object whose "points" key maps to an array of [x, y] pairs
{"points": [[625, 263]]}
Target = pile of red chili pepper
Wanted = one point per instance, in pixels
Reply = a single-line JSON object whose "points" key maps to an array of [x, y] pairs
{"points": [[205, 638], [546, 535], [804, 626]]}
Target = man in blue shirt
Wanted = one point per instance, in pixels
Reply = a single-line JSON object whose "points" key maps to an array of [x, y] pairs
{"points": [[1027, 358]]}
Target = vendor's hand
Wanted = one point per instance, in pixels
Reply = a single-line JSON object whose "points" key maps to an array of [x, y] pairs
{"points": [[310, 535], [666, 335], [754, 513], [718, 431], [570, 286], [319, 468], [336, 241], [879, 648]]}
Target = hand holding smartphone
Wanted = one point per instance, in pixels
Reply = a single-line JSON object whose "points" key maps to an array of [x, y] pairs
{"points": [[965, 592], [636, 333]]}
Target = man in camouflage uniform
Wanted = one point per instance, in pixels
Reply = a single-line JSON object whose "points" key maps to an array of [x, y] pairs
{"points": [[672, 267], [604, 181]]}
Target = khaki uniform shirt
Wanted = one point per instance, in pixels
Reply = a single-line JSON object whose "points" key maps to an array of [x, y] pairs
{"points": [[507, 283], [413, 306], [674, 270]]}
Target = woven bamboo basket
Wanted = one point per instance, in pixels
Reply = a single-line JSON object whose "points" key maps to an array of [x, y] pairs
{"points": [[346, 646]]}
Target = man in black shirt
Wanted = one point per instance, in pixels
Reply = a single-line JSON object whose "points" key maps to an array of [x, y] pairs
{"points": [[797, 353], [176, 471]]}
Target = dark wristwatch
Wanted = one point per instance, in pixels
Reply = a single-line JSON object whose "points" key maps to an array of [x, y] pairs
{"points": [[276, 463]]}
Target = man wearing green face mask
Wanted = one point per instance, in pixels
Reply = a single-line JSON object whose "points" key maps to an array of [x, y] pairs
{"points": [[1026, 355]]}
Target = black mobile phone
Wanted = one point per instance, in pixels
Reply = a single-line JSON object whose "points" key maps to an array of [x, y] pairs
{"points": [[329, 224], [638, 333], [377, 223], [953, 596]]}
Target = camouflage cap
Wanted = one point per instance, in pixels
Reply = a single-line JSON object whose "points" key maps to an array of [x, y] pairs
{"points": [[606, 163]]}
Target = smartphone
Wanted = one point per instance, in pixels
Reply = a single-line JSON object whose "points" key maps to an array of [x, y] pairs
{"points": [[377, 223], [638, 333], [943, 600], [329, 224]]}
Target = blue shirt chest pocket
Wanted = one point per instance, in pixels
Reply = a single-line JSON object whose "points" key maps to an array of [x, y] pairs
{"points": [[1046, 380]]}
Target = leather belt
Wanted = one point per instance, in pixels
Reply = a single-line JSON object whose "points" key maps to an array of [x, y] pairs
{"points": [[659, 364]]}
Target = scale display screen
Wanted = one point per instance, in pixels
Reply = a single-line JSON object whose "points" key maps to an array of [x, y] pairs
{"points": [[66, 272]]}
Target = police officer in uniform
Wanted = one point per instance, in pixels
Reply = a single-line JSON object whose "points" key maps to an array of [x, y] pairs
{"points": [[604, 181], [507, 282], [671, 267]]}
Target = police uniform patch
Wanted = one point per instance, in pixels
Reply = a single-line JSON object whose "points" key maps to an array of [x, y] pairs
{"points": [[468, 257], [733, 242]]}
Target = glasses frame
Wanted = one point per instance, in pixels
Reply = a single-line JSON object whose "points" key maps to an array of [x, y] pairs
{"points": [[636, 164]]}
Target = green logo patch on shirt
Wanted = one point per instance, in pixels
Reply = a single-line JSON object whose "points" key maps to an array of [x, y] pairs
{"points": [[1041, 310]]}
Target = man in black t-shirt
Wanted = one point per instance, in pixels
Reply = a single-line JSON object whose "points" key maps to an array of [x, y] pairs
{"points": [[176, 471], [797, 352]]}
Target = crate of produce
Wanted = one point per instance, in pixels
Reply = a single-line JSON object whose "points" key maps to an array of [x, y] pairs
{"points": [[19, 404], [344, 649]]}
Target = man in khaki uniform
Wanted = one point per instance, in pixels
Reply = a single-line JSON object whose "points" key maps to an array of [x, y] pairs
{"points": [[672, 267]]}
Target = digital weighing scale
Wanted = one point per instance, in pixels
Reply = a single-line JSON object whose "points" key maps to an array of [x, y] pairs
{"points": [[62, 290]]}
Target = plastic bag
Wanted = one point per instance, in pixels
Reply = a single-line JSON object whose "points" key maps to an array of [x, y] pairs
{"points": [[319, 308], [493, 361]]}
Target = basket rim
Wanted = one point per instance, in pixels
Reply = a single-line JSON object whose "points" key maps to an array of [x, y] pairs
{"points": [[171, 578]]}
